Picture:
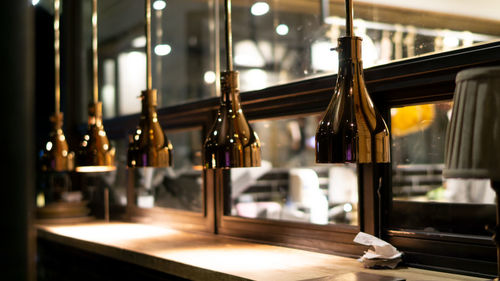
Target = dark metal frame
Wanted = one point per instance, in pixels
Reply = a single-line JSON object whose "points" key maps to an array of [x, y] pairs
{"points": [[412, 81]]}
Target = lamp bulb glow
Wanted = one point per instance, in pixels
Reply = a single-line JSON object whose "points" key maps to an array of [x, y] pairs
{"points": [[159, 5], [282, 29], [162, 49], [259, 8]]}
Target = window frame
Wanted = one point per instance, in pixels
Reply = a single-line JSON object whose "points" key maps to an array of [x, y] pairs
{"points": [[422, 79]]}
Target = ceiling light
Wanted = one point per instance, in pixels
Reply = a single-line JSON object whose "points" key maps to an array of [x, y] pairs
{"points": [[209, 77], [282, 29], [351, 130], [159, 5], [35, 2], [259, 8], [56, 155], [231, 142], [95, 153], [149, 146], [162, 49]]}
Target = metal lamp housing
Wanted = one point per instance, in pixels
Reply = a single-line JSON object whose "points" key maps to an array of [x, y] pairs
{"points": [[231, 142], [149, 146], [351, 130], [95, 153], [56, 156]]}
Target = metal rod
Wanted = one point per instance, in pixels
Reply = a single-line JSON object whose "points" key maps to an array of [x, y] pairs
{"points": [[57, 58], [159, 40], [148, 45], [106, 204], [348, 18], [94, 51], [229, 36]]}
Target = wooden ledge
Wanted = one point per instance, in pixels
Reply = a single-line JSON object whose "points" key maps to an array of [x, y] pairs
{"points": [[212, 257]]}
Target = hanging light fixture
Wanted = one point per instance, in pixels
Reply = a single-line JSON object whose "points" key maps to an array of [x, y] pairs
{"points": [[351, 130], [231, 142], [95, 153], [56, 155], [149, 146]]}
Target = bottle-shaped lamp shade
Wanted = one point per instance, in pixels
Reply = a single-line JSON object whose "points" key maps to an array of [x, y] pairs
{"points": [[351, 130], [56, 155], [149, 146], [95, 153], [231, 143]]}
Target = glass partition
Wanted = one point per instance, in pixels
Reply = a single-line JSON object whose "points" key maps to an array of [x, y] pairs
{"points": [[275, 42], [289, 185], [178, 187], [443, 205]]}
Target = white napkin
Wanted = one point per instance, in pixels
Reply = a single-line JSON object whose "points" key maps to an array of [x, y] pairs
{"points": [[383, 253]]}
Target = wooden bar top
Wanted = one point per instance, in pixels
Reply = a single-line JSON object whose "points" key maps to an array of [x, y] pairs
{"points": [[212, 257]]}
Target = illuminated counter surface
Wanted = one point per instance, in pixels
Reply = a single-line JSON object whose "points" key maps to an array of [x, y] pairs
{"points": [[212, 257]]}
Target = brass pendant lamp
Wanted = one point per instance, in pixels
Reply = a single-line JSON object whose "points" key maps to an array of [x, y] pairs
{"points": [[56, 155], [95, 153], [149, 146], [231, 142], [351, 130]]}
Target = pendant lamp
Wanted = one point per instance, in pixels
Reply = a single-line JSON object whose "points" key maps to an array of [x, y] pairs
{"points": [[231, 143], [95, 153], [351, 130], [149, 146], [56, 156]]}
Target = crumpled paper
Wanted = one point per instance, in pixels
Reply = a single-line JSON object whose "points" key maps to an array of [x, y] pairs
{"points": [[383, 255]]}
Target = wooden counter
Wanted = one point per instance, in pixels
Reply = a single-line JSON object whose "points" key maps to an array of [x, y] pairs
{"points": [[212, 257]]}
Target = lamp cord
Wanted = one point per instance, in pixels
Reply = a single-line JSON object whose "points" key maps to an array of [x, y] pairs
{"points": [[94, 51], [148, 45], [348, 18], [229, 39], [57, 59]]}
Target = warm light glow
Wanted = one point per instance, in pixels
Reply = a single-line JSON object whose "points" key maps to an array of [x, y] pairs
{"points": [[347, 207], [323, 58], [209, 77], [450, 42], [250, 258], [162, 49], [48, 146], [112, 232], [95, 169], [139, 42], [159, 5], [40, 200], [35, 2], [246, 53], [282, 29], [259, 8]]}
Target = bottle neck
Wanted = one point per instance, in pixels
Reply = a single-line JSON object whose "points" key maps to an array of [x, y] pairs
{"points": [[95, 114], [149, 102], [349, 49], [230, 92]]}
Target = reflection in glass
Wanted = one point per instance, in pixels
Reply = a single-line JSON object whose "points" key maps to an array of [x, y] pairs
{"points": [[178, 187], [451, 205], [289, 185], [276, 42]]}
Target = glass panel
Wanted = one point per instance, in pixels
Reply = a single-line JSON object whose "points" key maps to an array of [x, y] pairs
{"points": [[289, 185], [183, 60], [276, 42], [418, 140], [179, 187]]}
